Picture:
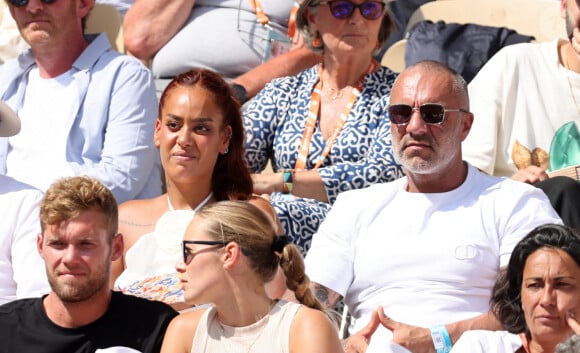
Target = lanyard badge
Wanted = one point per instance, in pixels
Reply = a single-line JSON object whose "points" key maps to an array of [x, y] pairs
{"points": [[277, 43]]}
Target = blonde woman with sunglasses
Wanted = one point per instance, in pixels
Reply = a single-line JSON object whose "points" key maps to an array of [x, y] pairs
{"points": [[230, 250]]}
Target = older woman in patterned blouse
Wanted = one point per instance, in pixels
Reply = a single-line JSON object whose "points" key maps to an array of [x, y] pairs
{"points": [[321, 129]]}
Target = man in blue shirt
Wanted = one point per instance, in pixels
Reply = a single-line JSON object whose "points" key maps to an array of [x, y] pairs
{"points": [[85, 109]]}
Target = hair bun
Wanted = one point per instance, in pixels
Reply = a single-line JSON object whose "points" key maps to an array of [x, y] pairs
{"points": [[279, 243]]}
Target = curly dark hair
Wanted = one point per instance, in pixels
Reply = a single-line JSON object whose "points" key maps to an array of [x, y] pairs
{"points": [[506, 301], [231, 178]]}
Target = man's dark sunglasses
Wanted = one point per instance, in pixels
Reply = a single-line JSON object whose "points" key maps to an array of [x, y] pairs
{"points": [[431, 113], [188, 254], [343, 9], [20, 3]]}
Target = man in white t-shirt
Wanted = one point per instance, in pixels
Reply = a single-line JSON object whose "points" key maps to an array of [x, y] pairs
{"points": [[426, 248], [22, 272]]}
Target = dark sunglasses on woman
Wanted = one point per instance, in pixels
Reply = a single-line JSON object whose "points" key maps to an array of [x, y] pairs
{"points": [[431, 113], [343, 9], [20, 3], [188, 254]]}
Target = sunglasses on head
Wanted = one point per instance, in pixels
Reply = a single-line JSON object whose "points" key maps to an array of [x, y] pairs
{"points": [[431, 113], [20, 3], [343, 9], [188, 254]]}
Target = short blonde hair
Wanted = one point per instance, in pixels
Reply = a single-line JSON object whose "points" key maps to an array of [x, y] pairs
{"points": [[67, 197]]}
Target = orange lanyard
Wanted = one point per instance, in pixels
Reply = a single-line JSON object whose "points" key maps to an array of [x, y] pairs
{"points": [[313, 118], [292, 20], [260, 14], [264, 20]]}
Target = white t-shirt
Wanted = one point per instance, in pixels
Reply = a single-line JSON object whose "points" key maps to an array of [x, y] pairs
{"points": [[43, 138], [22, 270], [522, 93], [482, 341], [428, 259]]}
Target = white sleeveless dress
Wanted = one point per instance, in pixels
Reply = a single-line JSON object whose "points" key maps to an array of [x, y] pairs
{"points": [[150, 263], [269, 334]]}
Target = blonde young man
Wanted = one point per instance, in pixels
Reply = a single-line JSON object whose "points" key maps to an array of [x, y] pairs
{"points": [[78, 242]]}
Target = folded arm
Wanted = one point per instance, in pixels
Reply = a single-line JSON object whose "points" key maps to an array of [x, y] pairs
{"points": [[149, 24], [298, 59], [306, 183]]}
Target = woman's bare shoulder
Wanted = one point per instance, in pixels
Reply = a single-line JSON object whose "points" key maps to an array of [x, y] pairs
{"points": [[187, 321], [138, 217], [314, 328], [181, 330]]}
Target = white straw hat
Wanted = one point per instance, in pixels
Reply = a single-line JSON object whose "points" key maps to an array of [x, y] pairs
{"points": [[9, 122]]}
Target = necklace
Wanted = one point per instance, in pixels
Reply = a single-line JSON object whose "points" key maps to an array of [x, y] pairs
{"points": [[567, 67], [334, 93], [201, 204], [233, 335], [312, 119]]}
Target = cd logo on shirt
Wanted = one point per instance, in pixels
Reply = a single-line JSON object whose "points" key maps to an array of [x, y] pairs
{"points": [[466, 252]]}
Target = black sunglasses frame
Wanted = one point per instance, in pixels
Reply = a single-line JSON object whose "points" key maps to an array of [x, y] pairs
{"points": [[21, 3], [186, 252], [429, 117], [352, 8]]}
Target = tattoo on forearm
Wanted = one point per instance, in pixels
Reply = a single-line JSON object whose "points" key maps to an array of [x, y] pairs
{"points": [[327, 297], [321, 294]]}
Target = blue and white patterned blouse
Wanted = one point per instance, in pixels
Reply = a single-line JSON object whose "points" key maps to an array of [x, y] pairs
{"points": [[361, 155]]}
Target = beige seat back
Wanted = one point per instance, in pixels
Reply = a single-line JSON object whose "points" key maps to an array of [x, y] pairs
{"points": [[394, 57], [105, 18], [538, 18]]}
